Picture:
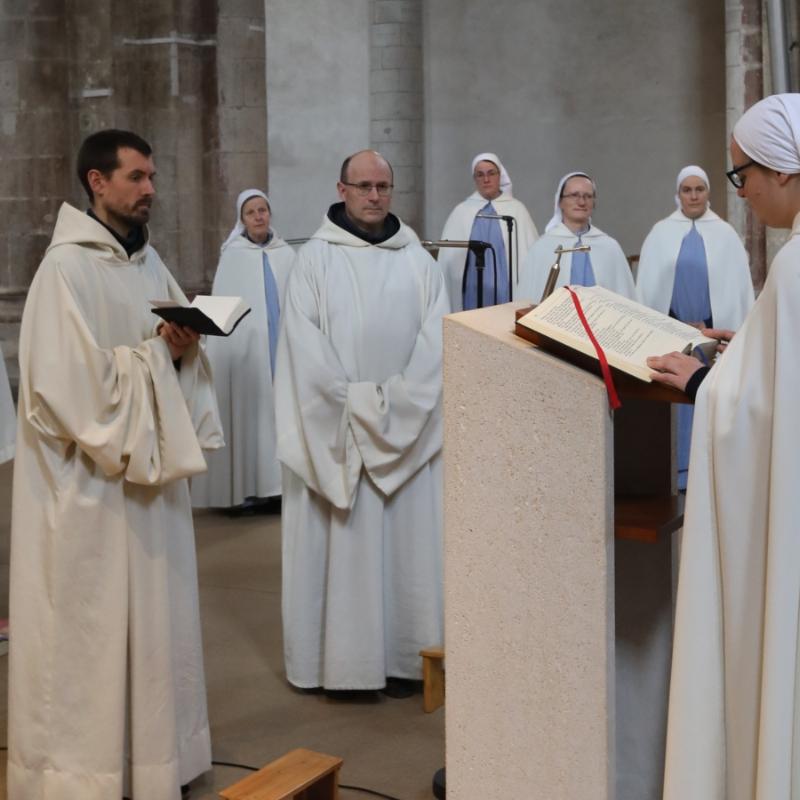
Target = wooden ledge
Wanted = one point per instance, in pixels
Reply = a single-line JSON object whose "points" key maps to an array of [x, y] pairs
{"points": [[300, 773]]}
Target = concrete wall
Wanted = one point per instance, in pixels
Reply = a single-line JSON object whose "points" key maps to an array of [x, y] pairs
{"points": [[318, 111], [630, 91]]}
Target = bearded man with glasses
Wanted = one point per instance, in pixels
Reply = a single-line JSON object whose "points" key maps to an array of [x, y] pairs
{"points": [[358, 405], [571, 226]]}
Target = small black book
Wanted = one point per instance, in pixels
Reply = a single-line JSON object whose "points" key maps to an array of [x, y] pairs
{"points": [[212, 315]]}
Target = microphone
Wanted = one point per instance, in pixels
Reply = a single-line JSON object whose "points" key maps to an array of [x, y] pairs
{"points": [[433, 245], [504, 217]]}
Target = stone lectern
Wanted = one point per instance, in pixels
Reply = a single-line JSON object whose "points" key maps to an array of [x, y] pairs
{"points": [[558, 632]]}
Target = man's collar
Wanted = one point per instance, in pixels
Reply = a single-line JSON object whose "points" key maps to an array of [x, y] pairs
{"points": [[134, 241], [338, 216]]}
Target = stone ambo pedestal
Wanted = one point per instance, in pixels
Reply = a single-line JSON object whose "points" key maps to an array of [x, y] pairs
{"points": [[545, 684]]}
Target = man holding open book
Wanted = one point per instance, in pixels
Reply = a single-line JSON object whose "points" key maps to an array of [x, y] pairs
{"points": [[106, 687]]}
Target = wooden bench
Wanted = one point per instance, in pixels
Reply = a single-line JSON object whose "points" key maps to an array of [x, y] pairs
{"points": [[432, 678], [299, 775]]}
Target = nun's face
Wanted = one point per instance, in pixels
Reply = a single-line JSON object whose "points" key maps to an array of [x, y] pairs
{"points": [[256, 217], [487, 179], [577, 202], [758, 189], [693, 196]]}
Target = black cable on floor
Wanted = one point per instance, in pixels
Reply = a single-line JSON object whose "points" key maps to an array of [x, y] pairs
{"points": [[341, 785], [235, 766], [368, 791]]}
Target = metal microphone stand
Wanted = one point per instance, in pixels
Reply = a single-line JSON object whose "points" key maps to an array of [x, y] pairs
{"points": [[552, 275], [477, 247], [509, 220]]}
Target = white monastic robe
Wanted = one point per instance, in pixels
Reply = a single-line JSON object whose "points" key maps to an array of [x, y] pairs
{"points": [[8, 417], [358, 401], [459, 226], [729, 283], [609, 264], [734, 717], [106, 682], [240, 363]]}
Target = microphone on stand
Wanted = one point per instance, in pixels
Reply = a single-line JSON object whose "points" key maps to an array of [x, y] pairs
{"points": [[509, 220], [552, 276], [479, 248]]}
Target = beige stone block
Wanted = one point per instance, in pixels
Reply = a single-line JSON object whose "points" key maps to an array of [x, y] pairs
{"points": [[529, 571]]}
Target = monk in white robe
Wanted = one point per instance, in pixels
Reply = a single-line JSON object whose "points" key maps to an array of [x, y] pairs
{"points": [[571, 226], [254, 265], [734, 711], [358, 401], [8, 417], [493, 197], [106, 687]]}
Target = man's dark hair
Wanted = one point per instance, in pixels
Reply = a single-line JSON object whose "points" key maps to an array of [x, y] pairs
{"points": [[99, 151], [346, 164]]}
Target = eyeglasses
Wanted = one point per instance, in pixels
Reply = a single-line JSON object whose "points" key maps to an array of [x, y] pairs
{"points": [[363, 189], [735, 178], [491, 173], [585, 196]]}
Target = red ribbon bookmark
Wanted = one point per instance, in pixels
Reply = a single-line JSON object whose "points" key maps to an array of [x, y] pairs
{"points": [[613, 397]]}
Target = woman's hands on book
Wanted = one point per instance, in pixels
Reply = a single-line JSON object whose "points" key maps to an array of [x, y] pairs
{"points": [[179, 338], [674, 369]]}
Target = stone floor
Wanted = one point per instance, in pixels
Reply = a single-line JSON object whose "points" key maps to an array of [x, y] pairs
{"points": [[390, 746]]}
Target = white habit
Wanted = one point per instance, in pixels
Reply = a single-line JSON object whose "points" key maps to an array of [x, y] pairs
{"points": [[609, 264], [729, 283], [734, 718], [8, 417], [459, 226], [358, 400], [106, 679], [240, 363]]}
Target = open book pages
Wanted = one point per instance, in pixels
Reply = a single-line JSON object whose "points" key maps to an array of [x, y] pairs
{"points": [[627, 331], [224, 313]]}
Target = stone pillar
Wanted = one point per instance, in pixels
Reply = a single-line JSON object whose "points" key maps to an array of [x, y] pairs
{"points": [[396, 100], [745, 86], [34, 85], [237, 157]]}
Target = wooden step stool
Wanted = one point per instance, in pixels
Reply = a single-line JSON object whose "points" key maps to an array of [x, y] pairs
{"points": [[432, 678], [299, 775]]}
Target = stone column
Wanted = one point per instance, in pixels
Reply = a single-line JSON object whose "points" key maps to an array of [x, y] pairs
{"points": [[34, 85], [745, 81], [396, 100], [237, 157]]}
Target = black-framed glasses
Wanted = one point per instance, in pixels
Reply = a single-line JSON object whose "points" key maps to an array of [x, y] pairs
{"points": [[735, 178], [364, 188]]}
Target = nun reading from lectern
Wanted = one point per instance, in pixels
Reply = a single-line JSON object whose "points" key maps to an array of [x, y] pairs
{"points": [[734, 710]]}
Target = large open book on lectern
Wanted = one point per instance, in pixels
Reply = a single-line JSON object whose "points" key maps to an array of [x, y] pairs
{"points": [[627, 331]]}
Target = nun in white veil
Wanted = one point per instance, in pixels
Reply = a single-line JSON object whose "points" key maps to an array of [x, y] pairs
{"points": [[694, 267], [254, 264], [492, 196], [734, 711]]}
